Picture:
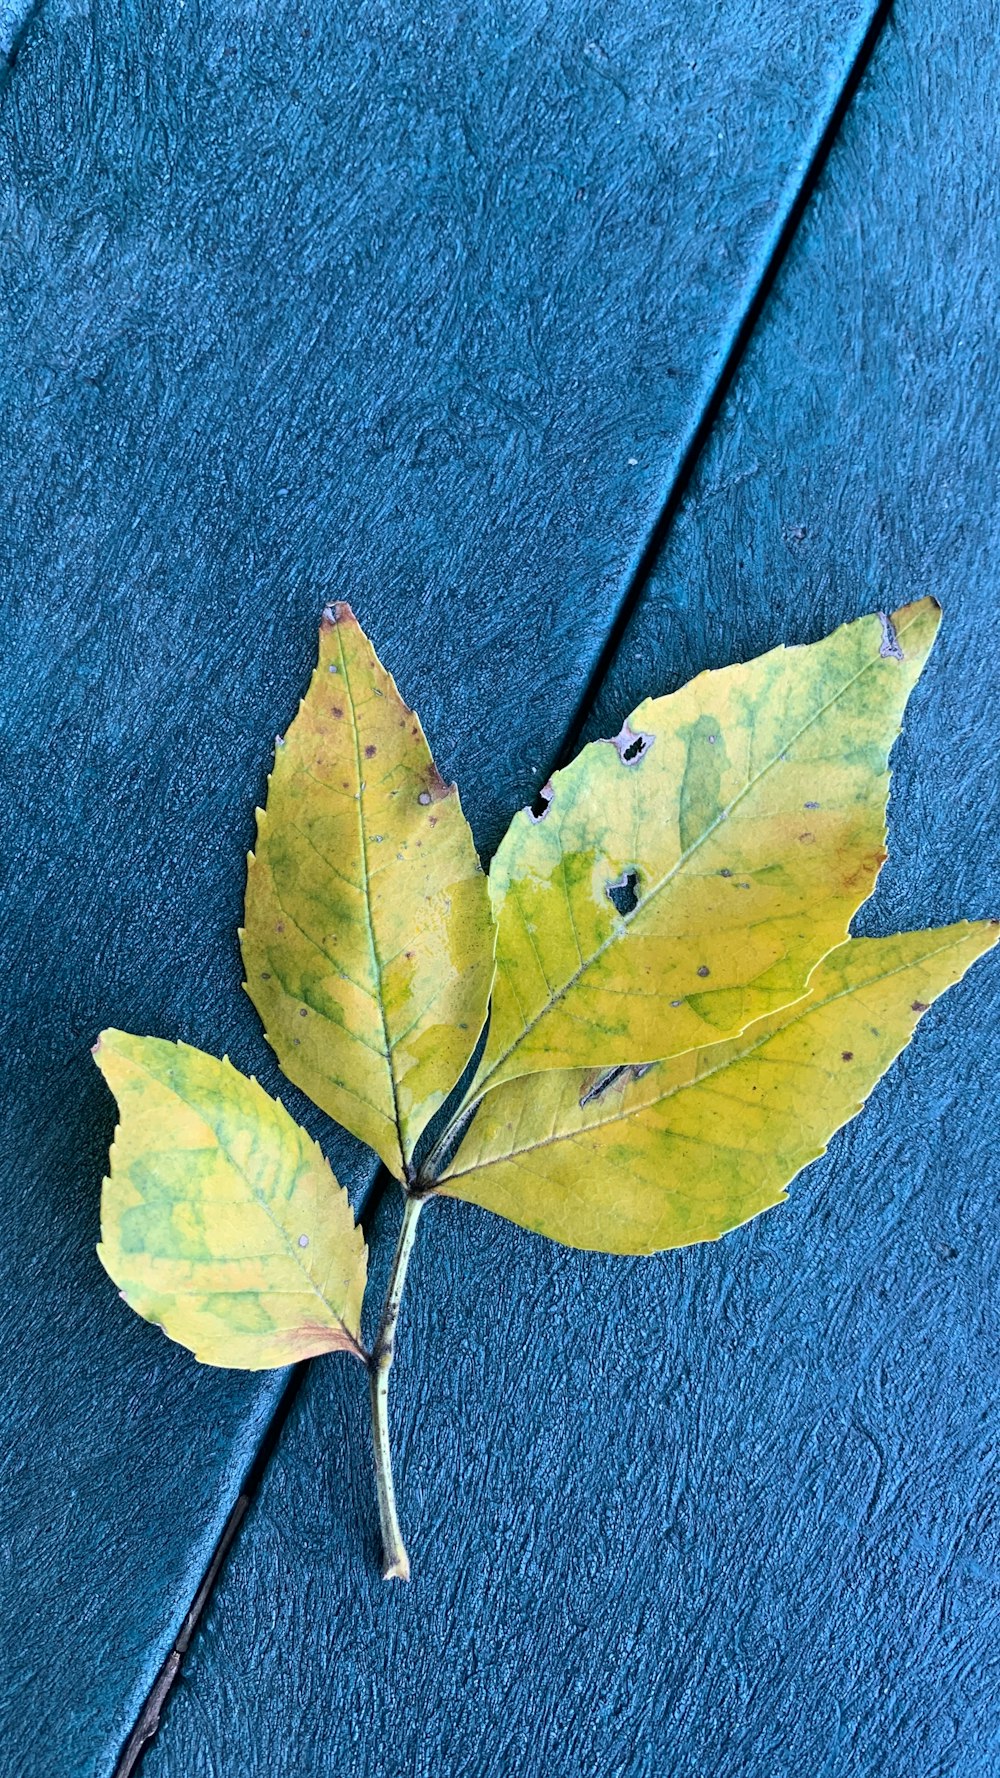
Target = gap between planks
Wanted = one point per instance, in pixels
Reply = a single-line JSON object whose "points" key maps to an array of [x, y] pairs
{"points": [[792, 207]]}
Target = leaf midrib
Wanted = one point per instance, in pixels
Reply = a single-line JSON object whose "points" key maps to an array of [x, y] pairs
{"points": [[370, 917]]}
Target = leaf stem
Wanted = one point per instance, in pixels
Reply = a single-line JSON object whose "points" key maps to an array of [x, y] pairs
{"points": [[396, 1562]]}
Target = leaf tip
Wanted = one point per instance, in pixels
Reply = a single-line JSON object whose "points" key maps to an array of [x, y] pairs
{"points": [[106, 1041], [925, 612], [337, 613]]}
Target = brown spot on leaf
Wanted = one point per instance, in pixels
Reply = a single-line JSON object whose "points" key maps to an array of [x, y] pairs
{"points": [[437, 789], [371, 750], [847, 1055], [337, 709], [866, 871], [807, 838], [703, 969], [919, 1005]]}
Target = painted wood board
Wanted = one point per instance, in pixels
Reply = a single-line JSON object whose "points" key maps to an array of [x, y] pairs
{"points": [[734, 1510], [416, 309]]}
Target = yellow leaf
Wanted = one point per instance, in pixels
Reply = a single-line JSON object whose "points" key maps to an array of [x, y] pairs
{"points": [[368, 943], [640, 1159], [678, 882], [221, 1221]]}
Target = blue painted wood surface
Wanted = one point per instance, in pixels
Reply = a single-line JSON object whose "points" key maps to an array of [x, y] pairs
{"points": [[733, 1511], [299, 301]]}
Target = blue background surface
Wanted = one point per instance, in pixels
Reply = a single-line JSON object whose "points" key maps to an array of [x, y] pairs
{"points": [[300, 303]]}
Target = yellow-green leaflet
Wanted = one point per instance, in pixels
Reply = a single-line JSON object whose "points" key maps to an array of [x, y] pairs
{"points": [[221, 1221], [368, 942], [686, 1149], [743, 817]]}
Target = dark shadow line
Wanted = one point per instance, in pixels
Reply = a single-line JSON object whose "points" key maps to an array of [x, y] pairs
{"points": [[643, 571], [148, 1721]]}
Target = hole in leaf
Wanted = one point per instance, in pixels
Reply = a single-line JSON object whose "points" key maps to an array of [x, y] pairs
{"points": [[602, 1083], [623, 893], [619, 1076], [889, 647], [632, 747], [540, 807]]}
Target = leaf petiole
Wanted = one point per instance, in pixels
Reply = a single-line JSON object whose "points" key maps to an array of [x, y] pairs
{"points": [[396, 1562]]}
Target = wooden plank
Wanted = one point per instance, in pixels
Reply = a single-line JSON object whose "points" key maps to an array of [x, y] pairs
{"points": [[416, 309], [732, 1511]]}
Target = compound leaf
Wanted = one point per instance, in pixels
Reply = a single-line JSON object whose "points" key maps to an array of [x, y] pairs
{"points": [[676, 883], [221, 1221], [638, 1159], [368, 941]]}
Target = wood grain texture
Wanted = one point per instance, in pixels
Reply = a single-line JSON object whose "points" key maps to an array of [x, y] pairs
{"points": [[15, 16], [732, 1511], [412, 309]]}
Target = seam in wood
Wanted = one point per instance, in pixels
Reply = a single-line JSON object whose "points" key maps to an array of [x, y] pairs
{"points": [[786, 226]]}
